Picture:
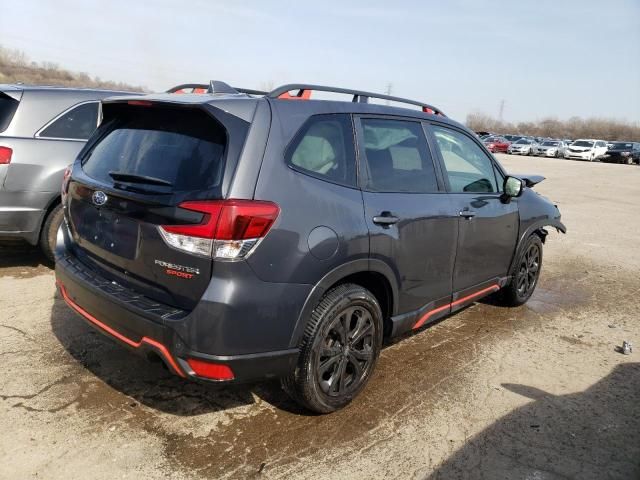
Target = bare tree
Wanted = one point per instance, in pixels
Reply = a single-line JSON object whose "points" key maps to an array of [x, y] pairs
{"points": [[574, 127]]}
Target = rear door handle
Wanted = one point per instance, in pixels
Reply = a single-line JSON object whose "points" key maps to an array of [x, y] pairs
{"points": [[385, 219], [467, 214]]}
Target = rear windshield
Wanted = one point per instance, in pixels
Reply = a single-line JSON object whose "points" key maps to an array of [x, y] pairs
{"points": [[184, 147], [8, 107]]}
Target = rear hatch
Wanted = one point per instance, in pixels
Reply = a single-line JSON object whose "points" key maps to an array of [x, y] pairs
{"points": [[130, 186]]}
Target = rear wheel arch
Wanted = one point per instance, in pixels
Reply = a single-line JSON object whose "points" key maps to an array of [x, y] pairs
{"points": [[46, 239], [374, 275]]}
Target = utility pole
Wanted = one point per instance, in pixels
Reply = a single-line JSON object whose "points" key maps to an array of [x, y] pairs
{"points": [[501, 111]]}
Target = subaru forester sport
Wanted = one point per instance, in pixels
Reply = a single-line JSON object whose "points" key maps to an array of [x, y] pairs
{"points": [[242, 236]]}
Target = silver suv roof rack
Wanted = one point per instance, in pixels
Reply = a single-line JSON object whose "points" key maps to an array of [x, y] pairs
{"points": [[304, 93]]}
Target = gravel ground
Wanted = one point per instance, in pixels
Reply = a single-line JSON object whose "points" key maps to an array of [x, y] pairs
{"points": [[536, 392]]}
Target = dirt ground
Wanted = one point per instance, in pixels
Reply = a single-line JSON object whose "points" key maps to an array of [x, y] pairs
{"points": [[537, 392]]}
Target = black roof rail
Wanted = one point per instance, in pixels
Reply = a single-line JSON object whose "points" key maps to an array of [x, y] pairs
{"points": [[358, 95], [215, 86]]}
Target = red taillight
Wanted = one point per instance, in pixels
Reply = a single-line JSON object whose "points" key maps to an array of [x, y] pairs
{"points": [[229, 229], [244, 219], [5, 155], [229, 219], [214, 371], [207, 227]]}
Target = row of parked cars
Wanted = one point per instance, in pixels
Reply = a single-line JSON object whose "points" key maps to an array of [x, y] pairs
{"points": [[582, 149], [239, 235]]}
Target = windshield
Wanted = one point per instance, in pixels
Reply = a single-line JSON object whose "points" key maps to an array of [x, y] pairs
{"points": [[621, 146], [550, 144], [523, 141], [491, 139], [582, 143]]}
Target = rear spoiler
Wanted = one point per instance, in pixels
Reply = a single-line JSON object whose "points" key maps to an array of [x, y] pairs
{"points": [[14, 93]]}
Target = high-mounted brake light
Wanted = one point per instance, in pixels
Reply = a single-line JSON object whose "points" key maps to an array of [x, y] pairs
{"points": [[140, 103], [5, 155], [229, 229]]}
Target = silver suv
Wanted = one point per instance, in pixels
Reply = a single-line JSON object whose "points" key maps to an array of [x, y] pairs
{"points": [[42, 130]]}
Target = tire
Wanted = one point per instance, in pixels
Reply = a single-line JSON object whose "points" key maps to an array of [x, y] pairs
{"points": [[328, 385], [526, 268], [49, 233]]}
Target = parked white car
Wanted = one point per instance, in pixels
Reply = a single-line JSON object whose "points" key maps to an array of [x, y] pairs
{"points": [[586, 149]]}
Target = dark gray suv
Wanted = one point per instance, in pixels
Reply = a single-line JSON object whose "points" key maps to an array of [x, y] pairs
{"points": [[242, 237], [42, 129]]}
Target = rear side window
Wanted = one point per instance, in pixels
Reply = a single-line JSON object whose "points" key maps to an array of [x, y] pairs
{"points": [[397, 158], [8, 107], [184, 147], [324, 149], [78, 123], [468, 168]]}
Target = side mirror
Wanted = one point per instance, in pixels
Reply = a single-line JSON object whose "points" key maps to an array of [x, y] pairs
{"points": [[513, 187]]}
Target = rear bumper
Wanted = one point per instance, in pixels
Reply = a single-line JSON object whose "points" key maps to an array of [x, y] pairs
{"points": [[23, 223], [577, 156], [144, 325], [21, 214]]}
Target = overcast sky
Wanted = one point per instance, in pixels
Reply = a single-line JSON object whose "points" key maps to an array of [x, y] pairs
{"points": [[542, 57]]}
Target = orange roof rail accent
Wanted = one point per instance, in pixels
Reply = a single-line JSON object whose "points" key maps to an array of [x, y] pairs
{"points": [[302, 95]]}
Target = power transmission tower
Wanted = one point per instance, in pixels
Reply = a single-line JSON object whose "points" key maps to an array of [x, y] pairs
{"points": [[501, 111], [388, 90]]}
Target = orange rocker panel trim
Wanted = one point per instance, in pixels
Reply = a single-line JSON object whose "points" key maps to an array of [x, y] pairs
{"points": [[144, 340], [430, 313]]}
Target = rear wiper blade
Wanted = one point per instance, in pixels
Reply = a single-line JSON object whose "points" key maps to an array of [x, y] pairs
{"points": [[133, 178], [133, 188]]}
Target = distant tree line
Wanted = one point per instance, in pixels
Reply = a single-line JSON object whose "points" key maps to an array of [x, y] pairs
{"points": [[573, 128], [16, 67]]}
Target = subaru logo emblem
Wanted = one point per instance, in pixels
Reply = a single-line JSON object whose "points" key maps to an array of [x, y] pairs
{"points": [[99, 198]]}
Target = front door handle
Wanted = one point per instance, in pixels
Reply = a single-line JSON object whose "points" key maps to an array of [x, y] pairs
{"points": [[385, 219], [467, 214]]}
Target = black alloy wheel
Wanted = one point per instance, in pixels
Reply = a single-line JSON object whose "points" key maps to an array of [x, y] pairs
{"points": [[528, 271], [346, 352], [339, 349]]}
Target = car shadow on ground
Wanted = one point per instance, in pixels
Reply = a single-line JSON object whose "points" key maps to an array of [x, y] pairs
{"points": [[15, 254], [594, 434], [149, 382]]}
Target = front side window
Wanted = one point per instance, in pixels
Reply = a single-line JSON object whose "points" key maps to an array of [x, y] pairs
{"points": [[324, 149], [468, 168], [77, 123], [397, 157]]}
